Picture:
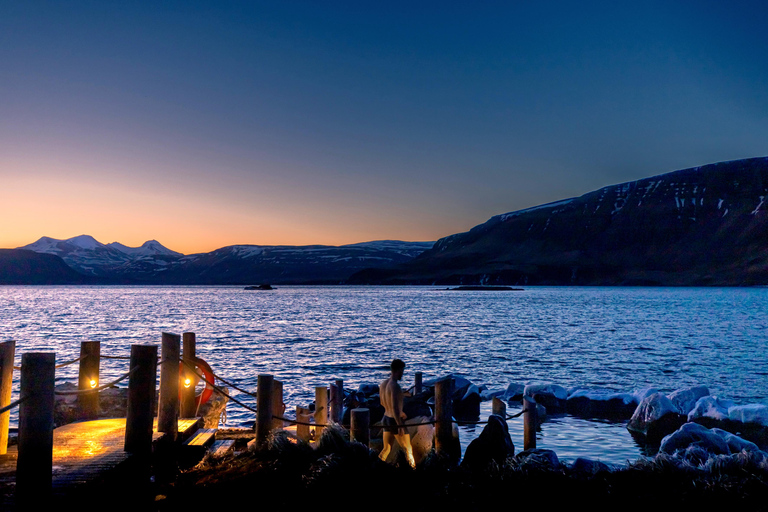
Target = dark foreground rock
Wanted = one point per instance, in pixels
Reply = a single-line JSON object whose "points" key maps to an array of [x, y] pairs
{"points": [[288, 473]]}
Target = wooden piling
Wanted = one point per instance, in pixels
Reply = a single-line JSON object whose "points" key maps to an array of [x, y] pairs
{"points": [[35, 460], [141, 397], [88, 378], [188, 405], [499, 407], [303, 416], [530, 418], [7, 351], [321, 409], [263, 425], [168, 408], [278, 407], [337, 401], [360, 420], [417, 383], [443, 416]]}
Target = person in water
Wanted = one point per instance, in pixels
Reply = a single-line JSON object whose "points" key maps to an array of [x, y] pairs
{"points": [[391, 396]]}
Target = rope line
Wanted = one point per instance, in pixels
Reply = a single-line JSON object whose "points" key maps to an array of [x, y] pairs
{"points": [[232, 385], [100, 388], [217, 388], [12, 405], [62, 365], [114, 357]]}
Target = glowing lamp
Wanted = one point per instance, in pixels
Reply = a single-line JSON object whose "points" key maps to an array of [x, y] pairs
{"points": [[187, 382], [93, 383]]}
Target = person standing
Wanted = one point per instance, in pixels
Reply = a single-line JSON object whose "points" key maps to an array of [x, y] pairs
{"points": [[391, 396]]}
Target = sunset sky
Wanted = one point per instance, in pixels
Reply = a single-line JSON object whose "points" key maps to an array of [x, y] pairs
{"points": [[206, 124]]}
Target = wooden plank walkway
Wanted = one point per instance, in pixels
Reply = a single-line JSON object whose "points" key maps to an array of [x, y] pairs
{"points": [[83, 452]]}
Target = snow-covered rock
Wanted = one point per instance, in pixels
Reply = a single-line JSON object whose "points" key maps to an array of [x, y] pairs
{"points": [[549, 395], [710, 407], [752, 413], [655, 417], [685, 399], [601, 403], [693, 434]]}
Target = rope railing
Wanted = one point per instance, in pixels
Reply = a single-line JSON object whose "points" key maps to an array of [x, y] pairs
{"points": [[12, 405], [98, 389], [234, 386]]}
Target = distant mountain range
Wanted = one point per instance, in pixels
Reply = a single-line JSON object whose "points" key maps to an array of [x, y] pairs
{"points": [[152, 263], [696, 227]]}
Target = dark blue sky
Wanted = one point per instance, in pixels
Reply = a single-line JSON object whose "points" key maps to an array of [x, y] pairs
{"points": [[205, 124]]}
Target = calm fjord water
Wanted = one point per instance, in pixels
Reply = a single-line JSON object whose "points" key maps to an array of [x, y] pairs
{"points": [[613, 338]]}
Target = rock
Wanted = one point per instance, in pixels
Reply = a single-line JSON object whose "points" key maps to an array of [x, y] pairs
{"points": [[492, 445], [752, 413], [710, 407], [655, 417], [589, 467], [735, 443], [593, 403], [693, 434], [514, 392], [685, 399], [538, 458], [466, 396], [551, 396]]}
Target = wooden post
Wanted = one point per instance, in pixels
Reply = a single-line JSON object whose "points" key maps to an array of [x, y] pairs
{"points": [[360, 420], [321, 409], [337, 401], [499, 407], [278, 408], [188, 406], [168, 408], [35, 461], [443, 416], [417, 386], [264, 385], [302, 415], [7, 351], [141, 398], [88, 378], [530, 418]]}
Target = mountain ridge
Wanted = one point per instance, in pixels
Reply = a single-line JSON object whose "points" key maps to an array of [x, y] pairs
{"points": [[706, 225]]}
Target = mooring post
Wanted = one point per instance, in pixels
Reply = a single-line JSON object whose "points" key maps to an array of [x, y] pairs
{"points": [[278, 407], [35, 460], [168, 408], [321, 410], [417, 385], [303, 416], [443, 416], [189, 379], [360, 420], [264, 386], [337, 401], [530, 418], [7, 351], [141, 398], [88, 378], [498, 407]]}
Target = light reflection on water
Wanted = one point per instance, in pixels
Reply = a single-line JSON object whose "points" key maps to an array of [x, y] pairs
{"points": [[615, 338]]}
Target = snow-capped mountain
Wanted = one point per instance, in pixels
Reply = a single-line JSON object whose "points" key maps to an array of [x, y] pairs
{"points": [[152, 263], [706, 225], [88, 256]]}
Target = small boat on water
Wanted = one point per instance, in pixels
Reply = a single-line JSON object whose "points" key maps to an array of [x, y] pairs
{"points": [[482, 288], [260, 287]]}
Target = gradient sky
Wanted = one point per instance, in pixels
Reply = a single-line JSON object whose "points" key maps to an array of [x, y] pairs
{"points": [[205, 124]]}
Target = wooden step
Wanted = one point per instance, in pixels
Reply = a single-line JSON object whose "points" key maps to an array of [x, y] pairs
{"points": [[222, 447], [203, 437]]}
